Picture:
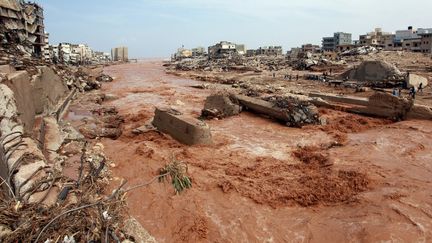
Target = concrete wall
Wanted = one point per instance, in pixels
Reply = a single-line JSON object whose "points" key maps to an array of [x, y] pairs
{"points": [[35, 95], [47, 90], [19, 83]]}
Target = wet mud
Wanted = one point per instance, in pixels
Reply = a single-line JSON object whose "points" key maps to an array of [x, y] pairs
{"points": [[355, 179]]}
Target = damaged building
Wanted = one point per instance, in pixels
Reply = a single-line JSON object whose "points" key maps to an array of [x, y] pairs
{"points": [[225, 49], [265, 51], [23, 22]]}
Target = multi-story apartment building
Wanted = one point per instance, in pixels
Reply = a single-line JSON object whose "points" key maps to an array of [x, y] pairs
{"points": [[120, 54], [339, 38], [426, 40]]}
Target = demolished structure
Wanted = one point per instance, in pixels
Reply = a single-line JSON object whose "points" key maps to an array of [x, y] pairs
{"points": [[22, 22]]}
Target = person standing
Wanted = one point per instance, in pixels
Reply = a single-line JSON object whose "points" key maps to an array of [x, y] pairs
{"points": [[420, 88]]}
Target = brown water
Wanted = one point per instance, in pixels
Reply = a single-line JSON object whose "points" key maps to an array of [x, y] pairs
{"points": [[396, 158]]}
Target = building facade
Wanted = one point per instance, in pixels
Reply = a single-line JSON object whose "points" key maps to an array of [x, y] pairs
{"points": [[266, 51], [339, 38], [426, 41], [222, 49], [310, 48], [120, 54], [378, 38]]}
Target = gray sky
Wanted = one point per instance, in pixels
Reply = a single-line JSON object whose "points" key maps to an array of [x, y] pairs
{"points": [[156, 28]]}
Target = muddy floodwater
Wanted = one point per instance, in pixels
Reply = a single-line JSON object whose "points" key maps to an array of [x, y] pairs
{"points": [[249, 187]]}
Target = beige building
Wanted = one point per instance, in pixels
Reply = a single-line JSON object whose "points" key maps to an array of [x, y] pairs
{"points": [[120, 54], [378, 38]]}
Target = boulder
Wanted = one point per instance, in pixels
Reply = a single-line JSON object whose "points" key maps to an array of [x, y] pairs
{"points": [[414, 80]]}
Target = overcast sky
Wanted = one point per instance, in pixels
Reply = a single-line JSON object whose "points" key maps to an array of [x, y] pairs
{"points": [[156, 28]]}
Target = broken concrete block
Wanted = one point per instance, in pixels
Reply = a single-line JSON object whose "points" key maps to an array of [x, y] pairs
{"points": [[341, 99], [47, 90], [414, 80], [294, 112], [220, 106], [19, 83], [133, 228], [385, 105], [420, 112], [262, 107], [52, 138], [184, 129]]}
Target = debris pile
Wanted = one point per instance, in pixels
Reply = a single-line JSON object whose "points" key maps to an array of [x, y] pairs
{"points": [[78, 78], [363, 50], [300, 112], [374, 72], [293, 111], [104, 78], [237, 64]]}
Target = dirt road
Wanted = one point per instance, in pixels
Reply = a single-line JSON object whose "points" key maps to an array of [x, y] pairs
{"points": [[250, 187]]}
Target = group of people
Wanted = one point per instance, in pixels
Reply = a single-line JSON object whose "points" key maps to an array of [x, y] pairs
{"points": [[412, 91], [289, 77]]}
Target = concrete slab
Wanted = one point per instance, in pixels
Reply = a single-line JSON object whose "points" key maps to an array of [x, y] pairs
{"points": [[420, 112], [19, 83], [47, 89], [341, 99], [263, 107], [185, 129]]}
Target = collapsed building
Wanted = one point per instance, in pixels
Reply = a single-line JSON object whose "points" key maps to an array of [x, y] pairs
{"points": [[266, 51], [225, 49], [22, 22]]}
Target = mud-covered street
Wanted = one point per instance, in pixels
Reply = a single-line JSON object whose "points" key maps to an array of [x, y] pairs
{"points": [[355, 179]]}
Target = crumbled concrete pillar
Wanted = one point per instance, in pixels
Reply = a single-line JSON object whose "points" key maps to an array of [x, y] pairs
{"points": [[184, 129]]}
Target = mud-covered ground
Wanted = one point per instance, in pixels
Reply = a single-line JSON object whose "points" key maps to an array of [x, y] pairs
{"points": [[357, 179]]}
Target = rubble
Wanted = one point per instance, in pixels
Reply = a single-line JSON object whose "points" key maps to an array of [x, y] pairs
{"points": [[292, 111], [379, 71], [362, 50]]}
